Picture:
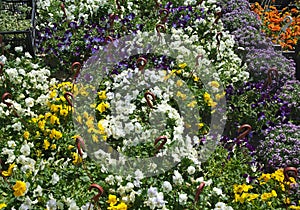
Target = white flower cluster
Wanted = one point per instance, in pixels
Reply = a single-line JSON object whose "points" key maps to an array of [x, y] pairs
{"points": [[34, 82], [155, 199], [75, 9]]}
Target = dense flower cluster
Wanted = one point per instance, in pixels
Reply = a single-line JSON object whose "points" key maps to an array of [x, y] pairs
{"points": [[89, 143], [277, 26]]}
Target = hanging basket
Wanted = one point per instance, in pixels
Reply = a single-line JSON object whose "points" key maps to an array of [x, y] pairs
{"points": [[20, 32]]}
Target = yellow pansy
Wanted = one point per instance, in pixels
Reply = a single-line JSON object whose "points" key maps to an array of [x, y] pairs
{"points": [[200, 125], [46, 144], [85, 115], [192, 104], [180, 94], [266, 196], [95, 138], [79, 119], [122, 206], [53, 146], [9, 170], [182, 65], [241, 188], [54, 119], [52, 94], [77, 158], [214, 84], [179, 83], [63, 112], [2, 205], [112, 200], [206, 97], [26, 135], [178, 71], [196, 79], [252, 196], [54, 108], [70, 147], [55, 134], [41, 124], [102, 95], [265, 178], [102, 107], [212, 103], [100, 127], [19, 188]]}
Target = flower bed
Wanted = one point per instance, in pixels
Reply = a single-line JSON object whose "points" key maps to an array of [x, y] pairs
{"points": [[203, 116]]}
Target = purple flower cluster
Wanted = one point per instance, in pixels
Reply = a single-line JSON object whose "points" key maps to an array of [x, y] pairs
{"points": [[281, 147], [291, 100], [258, 52], [259, 62], [271, 108]]}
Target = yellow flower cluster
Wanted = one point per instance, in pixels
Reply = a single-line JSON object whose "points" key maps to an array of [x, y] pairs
{"points": [[63, 87], [277, 176], [267, 196], [89, 122], [103, 106], [241, 191], [209, 100], [113, 200]]}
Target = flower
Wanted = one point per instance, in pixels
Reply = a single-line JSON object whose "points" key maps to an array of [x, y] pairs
{"points": [[167, 187], [102, 95], [214, 84], [102, 107], [2, 205], [55, 179], [26, 135], [19, 49], [46, 144], [122, 206], [218, 191], [77, 158], [241, 188], [183, 199], [182, 65], [9, 170], [191, 170], [19, 188], [112, 200]]}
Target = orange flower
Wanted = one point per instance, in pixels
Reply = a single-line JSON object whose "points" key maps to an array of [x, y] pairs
{"points": [[276, 20], [294, 10]]}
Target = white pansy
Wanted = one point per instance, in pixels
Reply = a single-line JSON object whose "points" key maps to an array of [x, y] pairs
{"points": [[218, 191], [54, 179], [11, 144], [27, 55], [191, 170], [110, 179], [38, 191], [25, 149], [19, 49], [51, 204], [182, 199], [129, 186], [167, 187], [29, 102], [177, 178]]}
